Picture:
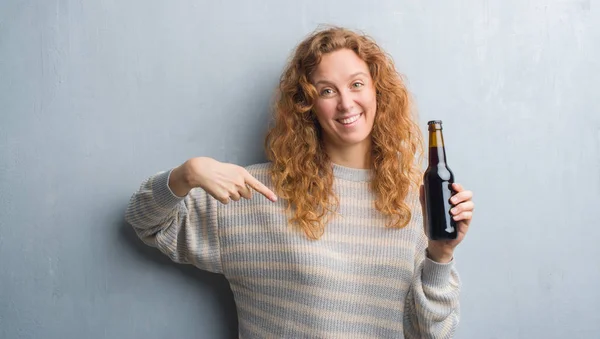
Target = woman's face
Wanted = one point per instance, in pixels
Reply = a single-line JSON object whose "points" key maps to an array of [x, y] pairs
{"points": [[346, 105]]}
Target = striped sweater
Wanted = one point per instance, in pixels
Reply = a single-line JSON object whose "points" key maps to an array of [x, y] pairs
{"points": [[360, 280]]}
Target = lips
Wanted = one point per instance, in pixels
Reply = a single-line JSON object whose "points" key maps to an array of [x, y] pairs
{"points": [[349, 119]]}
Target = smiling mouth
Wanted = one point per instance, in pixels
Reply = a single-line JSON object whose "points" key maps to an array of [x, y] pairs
{"points": [[349, 120]]}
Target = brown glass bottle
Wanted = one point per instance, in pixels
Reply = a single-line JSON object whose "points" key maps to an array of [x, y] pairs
{"points": [[438, 180]]}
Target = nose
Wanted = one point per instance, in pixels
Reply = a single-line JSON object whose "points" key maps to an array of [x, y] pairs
{"points": [[345, 102]]}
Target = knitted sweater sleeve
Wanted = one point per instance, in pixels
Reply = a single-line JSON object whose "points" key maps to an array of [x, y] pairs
{"points": [[432, 304], [183, 228]]}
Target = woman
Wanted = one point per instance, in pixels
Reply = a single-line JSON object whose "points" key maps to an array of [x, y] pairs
{"points": [[340, 251]]}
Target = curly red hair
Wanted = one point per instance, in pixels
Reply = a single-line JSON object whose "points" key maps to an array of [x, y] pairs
{"points": [[301, 170]]}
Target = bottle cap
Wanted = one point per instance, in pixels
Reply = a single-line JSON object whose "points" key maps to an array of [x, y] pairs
{"points": [[433, 122]]}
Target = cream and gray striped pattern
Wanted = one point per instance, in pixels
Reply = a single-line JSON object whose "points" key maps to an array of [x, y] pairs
{"points": [[360, 280]]}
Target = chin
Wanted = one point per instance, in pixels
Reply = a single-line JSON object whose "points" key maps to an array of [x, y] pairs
{"points": [[356, 140]]}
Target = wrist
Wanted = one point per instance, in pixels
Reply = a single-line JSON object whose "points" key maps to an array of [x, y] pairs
{"points": [[178, 181], [442, 256]]}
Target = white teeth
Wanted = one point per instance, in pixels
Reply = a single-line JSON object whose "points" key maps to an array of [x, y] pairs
{"points": [[350, 120]]}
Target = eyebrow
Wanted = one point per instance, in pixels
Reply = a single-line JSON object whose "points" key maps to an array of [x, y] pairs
{"points": [[350, 77]]}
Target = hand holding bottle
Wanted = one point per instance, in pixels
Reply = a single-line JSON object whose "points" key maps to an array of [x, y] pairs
{"points": [[447, 206]]}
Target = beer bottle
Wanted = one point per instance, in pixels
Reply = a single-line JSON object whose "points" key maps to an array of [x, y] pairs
{"points": [[438, 179]]}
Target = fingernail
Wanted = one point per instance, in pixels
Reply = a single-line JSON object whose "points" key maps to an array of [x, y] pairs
{"points": [[453, 211]]}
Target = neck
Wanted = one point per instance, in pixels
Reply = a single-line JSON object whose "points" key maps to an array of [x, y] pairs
{"points": [[437, 153], [354, 156], [437, 156]]}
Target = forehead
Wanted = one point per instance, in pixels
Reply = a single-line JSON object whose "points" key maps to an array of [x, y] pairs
{"points": [[338, 65]]}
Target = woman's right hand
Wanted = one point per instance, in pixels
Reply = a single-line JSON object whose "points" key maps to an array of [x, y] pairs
{"points": [[225, 182]]}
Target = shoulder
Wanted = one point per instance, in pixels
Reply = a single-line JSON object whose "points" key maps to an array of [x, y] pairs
{"points": [[260, 171], [259, 167]]}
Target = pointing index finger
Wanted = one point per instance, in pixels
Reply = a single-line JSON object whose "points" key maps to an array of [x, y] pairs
{"points": [[260, 187]]}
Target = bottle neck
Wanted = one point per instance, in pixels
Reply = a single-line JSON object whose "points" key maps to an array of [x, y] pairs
{"points": [[437, 152]]}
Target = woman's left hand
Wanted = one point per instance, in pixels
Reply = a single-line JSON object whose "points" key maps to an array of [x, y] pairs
{"points": [[462, 212]]}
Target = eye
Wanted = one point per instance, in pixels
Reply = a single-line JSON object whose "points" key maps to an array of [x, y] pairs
{"points": [[357, 85], [326, 92]]}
